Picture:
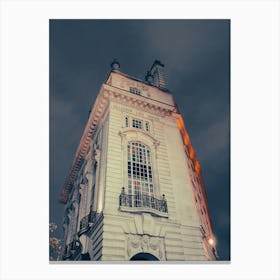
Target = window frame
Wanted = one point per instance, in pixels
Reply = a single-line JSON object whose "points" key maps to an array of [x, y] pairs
{"points": [[137, 123], [135, 90], [149, 205], [139, 169]]}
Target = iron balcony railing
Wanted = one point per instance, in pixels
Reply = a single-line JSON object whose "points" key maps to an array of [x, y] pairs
{"points": [[86, 221], [144, 201]]}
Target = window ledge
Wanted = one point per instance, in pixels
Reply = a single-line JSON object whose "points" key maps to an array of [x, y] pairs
{"points": [[143, 209]]}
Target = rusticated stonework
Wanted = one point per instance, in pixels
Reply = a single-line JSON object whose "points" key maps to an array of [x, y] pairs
{"points": [[144, 243]]}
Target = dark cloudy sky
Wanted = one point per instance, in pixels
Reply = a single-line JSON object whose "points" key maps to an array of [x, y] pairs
{"points": [[196, 54]]}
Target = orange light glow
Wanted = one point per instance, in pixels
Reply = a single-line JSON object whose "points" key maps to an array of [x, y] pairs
{"points": [[186, 139], [197, 167], [183, 131], [191, 153]]}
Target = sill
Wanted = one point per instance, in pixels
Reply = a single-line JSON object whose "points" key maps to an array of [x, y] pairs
{"points": [[143, 209]]}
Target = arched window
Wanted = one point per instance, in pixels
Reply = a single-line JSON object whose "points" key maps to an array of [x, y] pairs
{"points": [[141, 194], [140, 174]]}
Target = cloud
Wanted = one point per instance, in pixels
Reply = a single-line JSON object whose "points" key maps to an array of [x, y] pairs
{"points": [[213, 141]]}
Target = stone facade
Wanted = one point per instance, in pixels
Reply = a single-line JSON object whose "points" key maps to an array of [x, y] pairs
{"points": [[135, 187]]}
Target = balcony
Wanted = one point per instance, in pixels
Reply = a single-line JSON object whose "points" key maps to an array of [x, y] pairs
{"points": [[143, 203], [86, 222]]}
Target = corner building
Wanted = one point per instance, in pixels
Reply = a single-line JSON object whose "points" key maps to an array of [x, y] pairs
{"points": [[135, 190]]}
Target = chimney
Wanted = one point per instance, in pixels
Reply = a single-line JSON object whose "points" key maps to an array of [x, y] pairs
{"points": [[158, 75]]}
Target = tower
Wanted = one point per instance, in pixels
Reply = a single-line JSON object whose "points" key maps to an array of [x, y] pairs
{"points": [[135, 190]]}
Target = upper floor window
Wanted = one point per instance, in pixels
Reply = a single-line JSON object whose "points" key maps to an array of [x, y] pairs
{"points": [[126, 121], [147, 126], [136, 123], [135, 90]]}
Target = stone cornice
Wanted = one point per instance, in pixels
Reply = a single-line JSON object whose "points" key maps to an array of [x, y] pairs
{"points": [[137, 101], [97, 112]]}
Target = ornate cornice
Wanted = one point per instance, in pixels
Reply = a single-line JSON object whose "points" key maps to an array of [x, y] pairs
{"points": [[97, 112], [139, 102]]}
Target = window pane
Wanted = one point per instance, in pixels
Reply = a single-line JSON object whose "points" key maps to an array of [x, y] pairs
{"points": [[139, 172], [147, 126], [126, 121]]}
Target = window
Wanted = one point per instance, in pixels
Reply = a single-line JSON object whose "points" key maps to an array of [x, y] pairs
{"points": [[204, 210], [191, 164], [126, 121], [98, 140], [147, 126], [135, 91], [92, 198], [140, 174], [137, 123], [140, 183]]}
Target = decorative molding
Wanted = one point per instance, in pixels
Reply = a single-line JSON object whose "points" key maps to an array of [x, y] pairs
{"points": [[96, 114], [143, 210], [97, 155], [127, 131], [151, 106], [145, 244]]}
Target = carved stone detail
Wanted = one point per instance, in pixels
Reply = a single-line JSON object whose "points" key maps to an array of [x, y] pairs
{"points": [[99, 108], [97, 155], [135, 102], [145, 244]]}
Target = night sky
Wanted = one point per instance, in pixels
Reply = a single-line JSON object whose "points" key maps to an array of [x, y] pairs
{"points": [[196, 54]]}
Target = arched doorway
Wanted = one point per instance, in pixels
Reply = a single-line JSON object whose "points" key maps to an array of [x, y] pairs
{"points": [[144, 257]]}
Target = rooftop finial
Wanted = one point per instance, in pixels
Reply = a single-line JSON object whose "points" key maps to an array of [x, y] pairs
{"points": [[115, 65]]}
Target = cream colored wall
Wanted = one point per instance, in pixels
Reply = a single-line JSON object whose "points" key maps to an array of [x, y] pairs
{"points": [[124, 234]]}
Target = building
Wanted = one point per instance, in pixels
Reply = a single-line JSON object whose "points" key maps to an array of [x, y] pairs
{"points": [[135, 190]]}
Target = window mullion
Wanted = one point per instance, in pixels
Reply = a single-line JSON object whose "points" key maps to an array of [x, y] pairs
{"points": [[140, 175]]}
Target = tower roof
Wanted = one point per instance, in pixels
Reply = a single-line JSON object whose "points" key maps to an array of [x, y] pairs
{"points": [[154, 77]]}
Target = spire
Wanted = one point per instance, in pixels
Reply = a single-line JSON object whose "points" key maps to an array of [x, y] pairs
{"points": [[157, 74]]}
